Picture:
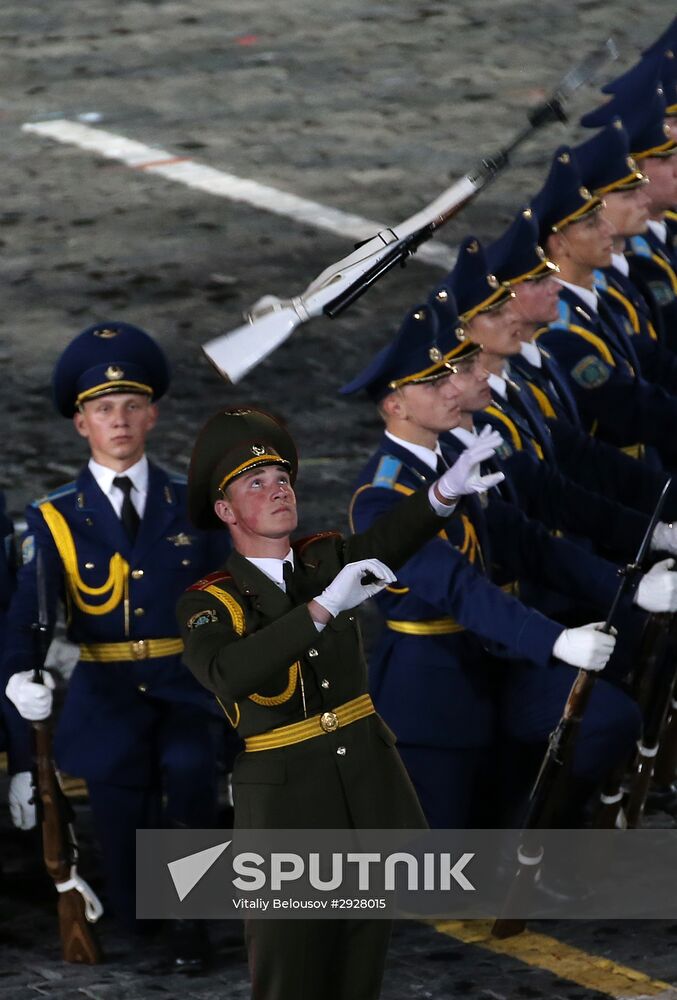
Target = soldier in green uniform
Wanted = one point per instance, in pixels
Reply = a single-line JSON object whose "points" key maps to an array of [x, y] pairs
{"points": [[274, 637]]}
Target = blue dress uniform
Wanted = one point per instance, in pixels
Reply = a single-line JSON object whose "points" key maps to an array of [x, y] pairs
{"points": [[517, 257], [135, 723], [606, 167], [614, 401], [7, 580], [434, 674], [643, 98]]}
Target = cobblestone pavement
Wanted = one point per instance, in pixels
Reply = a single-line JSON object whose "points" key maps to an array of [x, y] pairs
{"points": [[365, 106]]}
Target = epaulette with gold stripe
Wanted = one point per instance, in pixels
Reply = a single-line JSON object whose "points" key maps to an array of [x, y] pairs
{"points": [[302, 544], [207, 581]]}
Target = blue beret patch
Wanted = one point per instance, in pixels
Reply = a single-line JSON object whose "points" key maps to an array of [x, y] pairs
{"points": [[662, 292], [27, 550], [590, 372], [205, 617]]}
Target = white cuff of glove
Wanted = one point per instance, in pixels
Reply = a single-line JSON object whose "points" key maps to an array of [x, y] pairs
{"points": [[657, 590], [21, 801], [441, 509], [32, 701], [664, 538]]}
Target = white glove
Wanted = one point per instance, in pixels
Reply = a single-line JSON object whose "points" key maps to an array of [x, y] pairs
{"points": [[657, 591], [464, 475], [32, 701], [585, 647], [346, 590], [20, 798], [664, 538]]}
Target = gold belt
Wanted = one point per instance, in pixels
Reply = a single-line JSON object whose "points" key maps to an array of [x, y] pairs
{"points": [[316, 725], [440, 626], [138, 649], [436, 626]]}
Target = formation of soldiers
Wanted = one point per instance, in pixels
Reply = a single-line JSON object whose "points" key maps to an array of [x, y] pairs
{"points": [[529, 405]]}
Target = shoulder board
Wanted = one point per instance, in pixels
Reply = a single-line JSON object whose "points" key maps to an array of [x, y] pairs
{"points": [[671, 215], [640, 246], [302, 544], [62, 491], [387, 472], [563, 320], [600, 279], [207, 581]]}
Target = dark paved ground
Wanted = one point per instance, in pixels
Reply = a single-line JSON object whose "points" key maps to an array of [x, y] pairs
{"points": [[365, 106]]}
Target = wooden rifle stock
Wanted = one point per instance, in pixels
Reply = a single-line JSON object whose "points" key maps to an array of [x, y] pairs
{"points": [[78, 940]]}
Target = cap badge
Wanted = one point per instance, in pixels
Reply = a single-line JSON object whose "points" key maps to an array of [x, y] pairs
{"points": [[539, 252], [460, 333], [472, 247], [435, 354], [527, 213], [442, 295], [258, 449], [114, 372], [584, 193], [492, 281], [564, 158], [105, 334], [419, 314]]}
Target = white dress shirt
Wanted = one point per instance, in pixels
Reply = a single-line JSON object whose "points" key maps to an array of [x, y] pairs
{"points": [[659, 229], [138, 473], [620, 262], [588, 295], [530, 351]]}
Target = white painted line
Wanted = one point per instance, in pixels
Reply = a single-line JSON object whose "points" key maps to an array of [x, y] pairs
{"points": [[196, 175]]}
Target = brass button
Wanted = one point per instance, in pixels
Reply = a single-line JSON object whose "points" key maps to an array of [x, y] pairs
{"points": [[142, 688], [329, 722], [89, 565], [137, 574], [139, 612], [185, 562], [341, 751], [325, 683], [313, 652]]}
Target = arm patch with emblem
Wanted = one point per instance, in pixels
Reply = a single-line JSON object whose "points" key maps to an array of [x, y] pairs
{"points": [[590, 372], [205, 617]]}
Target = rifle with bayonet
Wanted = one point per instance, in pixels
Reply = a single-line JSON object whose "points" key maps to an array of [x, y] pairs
{"points": [[78, 906], [271, 320], [546, 793]]}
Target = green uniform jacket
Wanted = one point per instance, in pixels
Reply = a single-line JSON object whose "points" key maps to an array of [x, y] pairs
{"points": [[259, 651]]}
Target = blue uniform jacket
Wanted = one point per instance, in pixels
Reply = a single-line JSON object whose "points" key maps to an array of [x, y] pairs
{"points": [[653, 272], [542, 492], [430, 674], [657, 363], [614, 401], [594, 464], [108, 701]]}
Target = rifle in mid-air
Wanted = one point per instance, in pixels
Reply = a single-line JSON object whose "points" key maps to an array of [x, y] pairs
{"points": [[546, 793], [78, 906], [271, 320]]}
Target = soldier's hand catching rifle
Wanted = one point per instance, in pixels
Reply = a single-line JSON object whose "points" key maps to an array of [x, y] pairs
{"points": [[464, 477], [586, 647], [32, 701], [350, 588], [657, 590]]}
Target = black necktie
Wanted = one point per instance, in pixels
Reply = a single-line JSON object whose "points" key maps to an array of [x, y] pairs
{"points": [[128, 514], [288, 576]]}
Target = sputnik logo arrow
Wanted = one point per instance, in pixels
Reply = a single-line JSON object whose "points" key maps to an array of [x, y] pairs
{"points": [[187, 872]]}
